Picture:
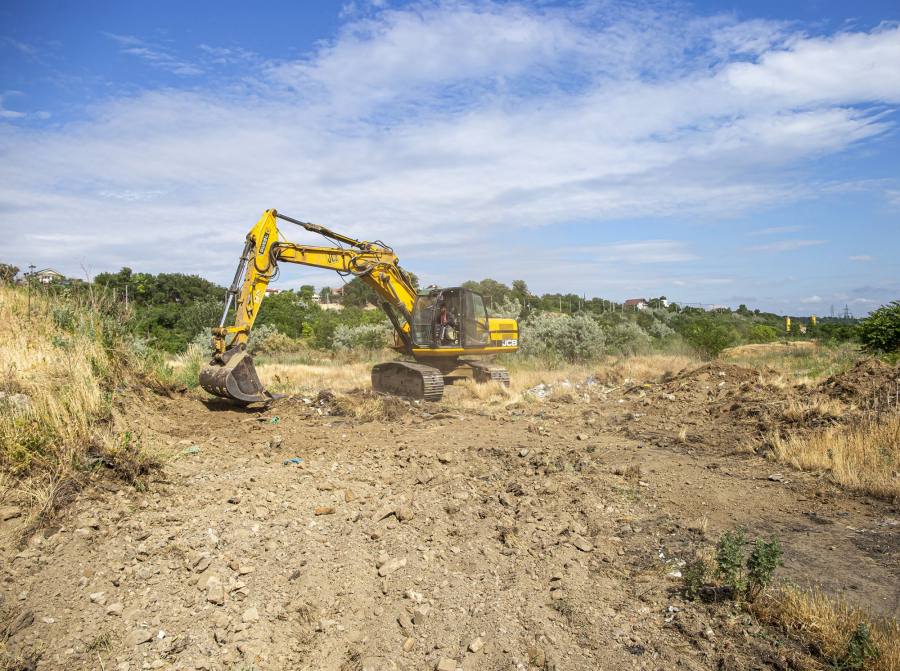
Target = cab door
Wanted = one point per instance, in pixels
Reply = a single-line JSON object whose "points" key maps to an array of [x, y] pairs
{"points": [[474, 326]]}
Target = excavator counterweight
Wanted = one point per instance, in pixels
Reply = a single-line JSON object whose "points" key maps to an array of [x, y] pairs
{"points": [[434, 327]]}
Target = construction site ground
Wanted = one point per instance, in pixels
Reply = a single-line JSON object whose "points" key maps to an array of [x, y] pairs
{"points": [[543, 534]]}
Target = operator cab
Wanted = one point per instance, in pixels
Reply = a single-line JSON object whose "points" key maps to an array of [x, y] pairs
{"points": [[466, 325]]}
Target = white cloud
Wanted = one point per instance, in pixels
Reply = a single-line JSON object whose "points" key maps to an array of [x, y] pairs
{"points": [[26, 49], [811, 299], [776, 229], [153, 54], [463, 122], [783, 246], [861, 257]]}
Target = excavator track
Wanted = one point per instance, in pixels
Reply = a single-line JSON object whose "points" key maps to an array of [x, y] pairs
{"points": [[485, 371], [403, 378]]}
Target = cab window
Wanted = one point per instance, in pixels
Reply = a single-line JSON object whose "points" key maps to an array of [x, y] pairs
{"points": [[476, 322], [423, 321]]}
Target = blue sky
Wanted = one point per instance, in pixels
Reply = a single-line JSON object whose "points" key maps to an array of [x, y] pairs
{"points": [[717, 153]]}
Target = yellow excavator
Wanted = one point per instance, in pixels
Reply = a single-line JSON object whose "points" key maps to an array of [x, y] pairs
{"points": [[434, 326]]}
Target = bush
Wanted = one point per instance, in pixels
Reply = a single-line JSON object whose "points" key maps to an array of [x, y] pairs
{"points": [[367, 336], [708, 337], [880, 331], [760, 333], [661, 331], [573, 339], [277, 343], [747, 576], [509, 307], [629, 339], [258, 336]]}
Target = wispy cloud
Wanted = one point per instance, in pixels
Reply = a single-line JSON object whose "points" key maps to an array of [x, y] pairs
{"points": [[783, 246], [22, 47], [7, 113], [862, 257], [811, 299], [776, 229], [154, 54]]}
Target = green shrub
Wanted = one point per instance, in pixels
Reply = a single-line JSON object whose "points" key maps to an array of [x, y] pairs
{"points": [[760, 333], [747, 576], [708, 336], [572, 339], [761, 566], [366, 336], [629, 339], [880, 331], [860, 648], [730, 559]]}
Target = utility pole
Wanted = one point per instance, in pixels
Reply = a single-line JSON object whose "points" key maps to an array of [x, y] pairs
{"points": [[832, 310], [30, 280]]}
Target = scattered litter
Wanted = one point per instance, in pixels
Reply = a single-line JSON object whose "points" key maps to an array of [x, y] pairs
{"points": [[275, 420], [292, 461], [191, 450], [541, 391]]}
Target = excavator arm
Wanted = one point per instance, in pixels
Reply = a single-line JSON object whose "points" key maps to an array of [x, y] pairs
{"points": [[231, 372]]}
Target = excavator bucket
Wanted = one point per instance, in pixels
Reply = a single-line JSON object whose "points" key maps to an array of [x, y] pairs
{"points": [[236, 379]]}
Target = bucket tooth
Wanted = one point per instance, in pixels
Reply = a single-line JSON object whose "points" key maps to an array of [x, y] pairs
{"points": [[236, 379]]}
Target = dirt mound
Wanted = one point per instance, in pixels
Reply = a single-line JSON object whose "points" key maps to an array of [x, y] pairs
{"points": [[757, 349], [719, 371], [868, 380]]}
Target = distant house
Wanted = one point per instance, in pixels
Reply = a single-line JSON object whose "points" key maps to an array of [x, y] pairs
{"points": [[664, 301], [637, 303], [48, 276]]}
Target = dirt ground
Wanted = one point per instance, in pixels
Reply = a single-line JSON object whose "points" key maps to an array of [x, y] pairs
{"points": [[538, 535]]}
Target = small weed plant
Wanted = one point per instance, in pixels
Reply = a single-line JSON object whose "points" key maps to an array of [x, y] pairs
{"points": [[859, 651], [747, 576]]}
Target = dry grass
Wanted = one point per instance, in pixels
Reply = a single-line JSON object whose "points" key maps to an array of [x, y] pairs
{"points": [[812, 409], [60, 374], [828, 624], [66, 361], [640, 369], [304, 378], [864, 457], [799, 362]]}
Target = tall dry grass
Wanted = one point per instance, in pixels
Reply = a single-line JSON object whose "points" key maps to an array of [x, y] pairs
{"points": [[862, 456], [60, 367], [828, 624], [799, 362], [62, 377]]}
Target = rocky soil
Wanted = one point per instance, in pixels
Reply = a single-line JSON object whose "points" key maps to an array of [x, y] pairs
{"points": [[541, 535]]}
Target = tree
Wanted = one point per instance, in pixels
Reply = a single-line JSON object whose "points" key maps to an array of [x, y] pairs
{"points": [[708, 336], [8, 272], [760, 333], [521, 287], [880, 331], [357, 293]]}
